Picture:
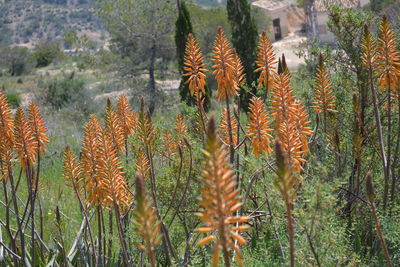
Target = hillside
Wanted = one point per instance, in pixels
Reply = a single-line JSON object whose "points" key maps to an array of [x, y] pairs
{"points": [[29, 22]]}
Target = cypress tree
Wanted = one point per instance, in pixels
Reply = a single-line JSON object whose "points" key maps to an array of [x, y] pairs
{"points": [[183, 26], [244, 39]]}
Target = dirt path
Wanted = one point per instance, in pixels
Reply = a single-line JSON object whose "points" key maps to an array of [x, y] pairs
{"points": [[287, 46]]}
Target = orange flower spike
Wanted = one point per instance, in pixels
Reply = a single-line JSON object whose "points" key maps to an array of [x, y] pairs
{"points": [[142, 164], [89, 161], [38, 128], [368, 49], [223, 128], [126, 117], [180, 126], [291, 143], [170, 147], [194, 67], [302, 123], [324, 99], [258, 130], [282, 98], [388, 58], [6, 122], [145, 220], [220, 201], [266, 61], [224, 66], [145, 130], [25, 142], [6, 136], [113, 127], [6, 156], [72, 170], [113, 188], [238, 74]]}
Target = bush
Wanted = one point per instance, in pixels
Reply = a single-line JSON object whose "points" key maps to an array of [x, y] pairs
{"points": [[46, 53], [14, 99], [67, 91]]}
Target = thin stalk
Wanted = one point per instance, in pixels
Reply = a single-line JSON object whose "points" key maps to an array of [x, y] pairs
{"points": [[125, 255], [203, 124], [290, 229], [378, 123], [110, 233], [14, 200], [221, 228], [178, 182], [126, 151], [380, 234], [84, 214], [99, 226], [104, 236], [7, 224], [231, 147], [41, 234], [396, 153], [389, 144], [167, 246]]}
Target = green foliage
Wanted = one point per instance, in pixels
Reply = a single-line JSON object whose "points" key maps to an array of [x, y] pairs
{"points": [[378, 5], [70, 39], [206, 22], [244, 34], [16, 59], [183, 26], [68, 91], [14, 99], [244, 39], [46, 53]]}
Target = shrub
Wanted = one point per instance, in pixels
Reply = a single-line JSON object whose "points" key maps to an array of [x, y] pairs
{"points": [[46, 53], [67, 91], [14, 99]]}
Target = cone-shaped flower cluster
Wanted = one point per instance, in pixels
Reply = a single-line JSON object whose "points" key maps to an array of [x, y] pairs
{"points": [[127, 119], [387, 58], [224, 66], [37, 126], [145, 221], [113, 128], [324, 99], [238, 73], [220, 201], [6, 136], [113, 188], [142, 164], [258, 128], [25, 142], [266, 62], [100, 163], [72, 170], [194, 68], [89, 161], [291, 121]]}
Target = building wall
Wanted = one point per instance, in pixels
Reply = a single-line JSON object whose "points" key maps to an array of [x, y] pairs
{"points": [[291, 20]]}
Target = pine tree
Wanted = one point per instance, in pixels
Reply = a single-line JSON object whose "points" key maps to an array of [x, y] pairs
{"points": [[183, 26], [244, 40]]}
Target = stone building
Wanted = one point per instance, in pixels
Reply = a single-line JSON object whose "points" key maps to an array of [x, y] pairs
{"points": [[288, 18]]}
